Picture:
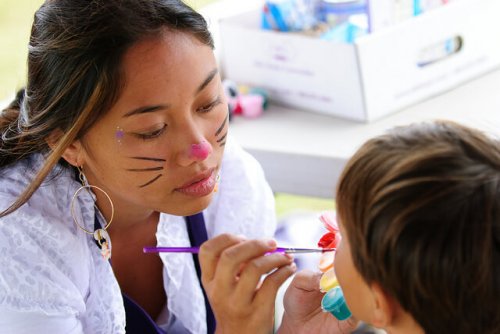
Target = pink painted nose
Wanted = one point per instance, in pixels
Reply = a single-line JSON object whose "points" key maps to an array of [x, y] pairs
{"points": [[200, 151]]}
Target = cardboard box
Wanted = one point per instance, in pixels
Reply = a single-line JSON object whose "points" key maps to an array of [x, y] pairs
{"points": [[379, 74]]}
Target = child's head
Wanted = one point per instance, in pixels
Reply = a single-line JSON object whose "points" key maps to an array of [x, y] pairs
{"points": [[419, 209]]}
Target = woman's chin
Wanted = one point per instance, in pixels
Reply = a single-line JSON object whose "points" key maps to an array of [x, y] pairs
{"points": [[189, 207]]}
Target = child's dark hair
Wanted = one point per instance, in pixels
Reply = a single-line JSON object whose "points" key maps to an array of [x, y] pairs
{"points": [[74, 71], [421, 208]]}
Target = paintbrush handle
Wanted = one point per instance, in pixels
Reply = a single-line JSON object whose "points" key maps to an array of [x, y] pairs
{"points": [[195, 250]]}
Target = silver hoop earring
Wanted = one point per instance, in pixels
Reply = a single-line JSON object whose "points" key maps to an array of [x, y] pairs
{"points": [[100, 235]]}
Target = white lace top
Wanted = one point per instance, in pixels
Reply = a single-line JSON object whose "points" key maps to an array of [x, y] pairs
{"points": [[53, 278]]}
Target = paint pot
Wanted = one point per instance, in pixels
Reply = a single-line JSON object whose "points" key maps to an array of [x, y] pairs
{"points": [[334, 302]]}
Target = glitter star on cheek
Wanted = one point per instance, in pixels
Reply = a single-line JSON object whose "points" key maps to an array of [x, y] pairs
{"points": [[119, 134]]}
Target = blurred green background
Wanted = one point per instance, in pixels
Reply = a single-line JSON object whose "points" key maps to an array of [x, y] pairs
{"points": [[16, 17], [15, 24]]}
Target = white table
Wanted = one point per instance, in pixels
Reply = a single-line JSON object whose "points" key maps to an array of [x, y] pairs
{"points": [[304, 152]]}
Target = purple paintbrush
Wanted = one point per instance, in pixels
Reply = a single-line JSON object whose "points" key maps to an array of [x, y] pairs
{"points": [[197, 249]]}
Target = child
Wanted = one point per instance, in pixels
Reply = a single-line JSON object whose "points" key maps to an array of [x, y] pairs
{"points": [[419, 213]]}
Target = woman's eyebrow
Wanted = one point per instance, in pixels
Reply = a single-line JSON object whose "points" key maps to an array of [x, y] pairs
{"points": [[207, 80], [146, 109]]}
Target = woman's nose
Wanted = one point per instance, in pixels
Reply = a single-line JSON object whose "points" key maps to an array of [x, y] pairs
{"points": [[200, 151], [194, 152]]}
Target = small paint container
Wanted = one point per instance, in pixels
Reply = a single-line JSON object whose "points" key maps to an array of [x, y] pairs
{"points": [[326, 261], [328, 281], [334, 302]]}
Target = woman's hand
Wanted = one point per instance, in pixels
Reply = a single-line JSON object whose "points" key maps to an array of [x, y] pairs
{"points": [[303, 313], [232, 275]]}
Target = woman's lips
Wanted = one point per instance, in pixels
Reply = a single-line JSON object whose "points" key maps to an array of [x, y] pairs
{"points": [[201, 186]]}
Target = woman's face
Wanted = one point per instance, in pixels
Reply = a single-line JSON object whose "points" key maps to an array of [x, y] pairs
{"points": [[159, 148]]}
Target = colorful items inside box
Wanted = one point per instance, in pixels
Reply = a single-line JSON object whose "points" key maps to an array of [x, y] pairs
{"points": [[244, 100]]}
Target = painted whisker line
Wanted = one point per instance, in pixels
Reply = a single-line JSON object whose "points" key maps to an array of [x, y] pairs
{"points": [[219, 130], [222, 141], [222, 138], [144, 169], [151, 181], [148, 158]]}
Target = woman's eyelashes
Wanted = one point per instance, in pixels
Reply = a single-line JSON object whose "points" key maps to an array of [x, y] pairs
{"points": [[210, 106], [158, 132], [152, 134]]}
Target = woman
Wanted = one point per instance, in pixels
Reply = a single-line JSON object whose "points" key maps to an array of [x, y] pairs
{"points": [[119, 135]]}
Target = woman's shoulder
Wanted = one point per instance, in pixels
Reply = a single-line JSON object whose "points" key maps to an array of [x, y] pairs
{"points": [[16, 176], [239, 164], [55, 190], [43, 257]]}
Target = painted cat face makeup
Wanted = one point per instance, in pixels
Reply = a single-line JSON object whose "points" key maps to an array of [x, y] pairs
{"points": [[157, 171], [221, 138], [131, 142], [160, 146], [119, 134]]}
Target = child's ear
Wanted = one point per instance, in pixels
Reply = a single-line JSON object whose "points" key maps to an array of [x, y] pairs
{"points": [[73, 154], [385, 307]]}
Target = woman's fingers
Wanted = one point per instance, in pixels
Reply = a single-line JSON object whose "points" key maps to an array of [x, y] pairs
{"points": [[303, 312], [303, 298], [252, 273], [230, 263], [236, 257], [307, 280], [210, 253], [271, 284], [241, 278]]}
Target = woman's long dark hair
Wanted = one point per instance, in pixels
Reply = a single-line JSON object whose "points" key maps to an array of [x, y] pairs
{"points": [[74, 71]]}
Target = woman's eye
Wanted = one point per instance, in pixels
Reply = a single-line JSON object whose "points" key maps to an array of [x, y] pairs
{"points": [[152, 134], [210, 106]]}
